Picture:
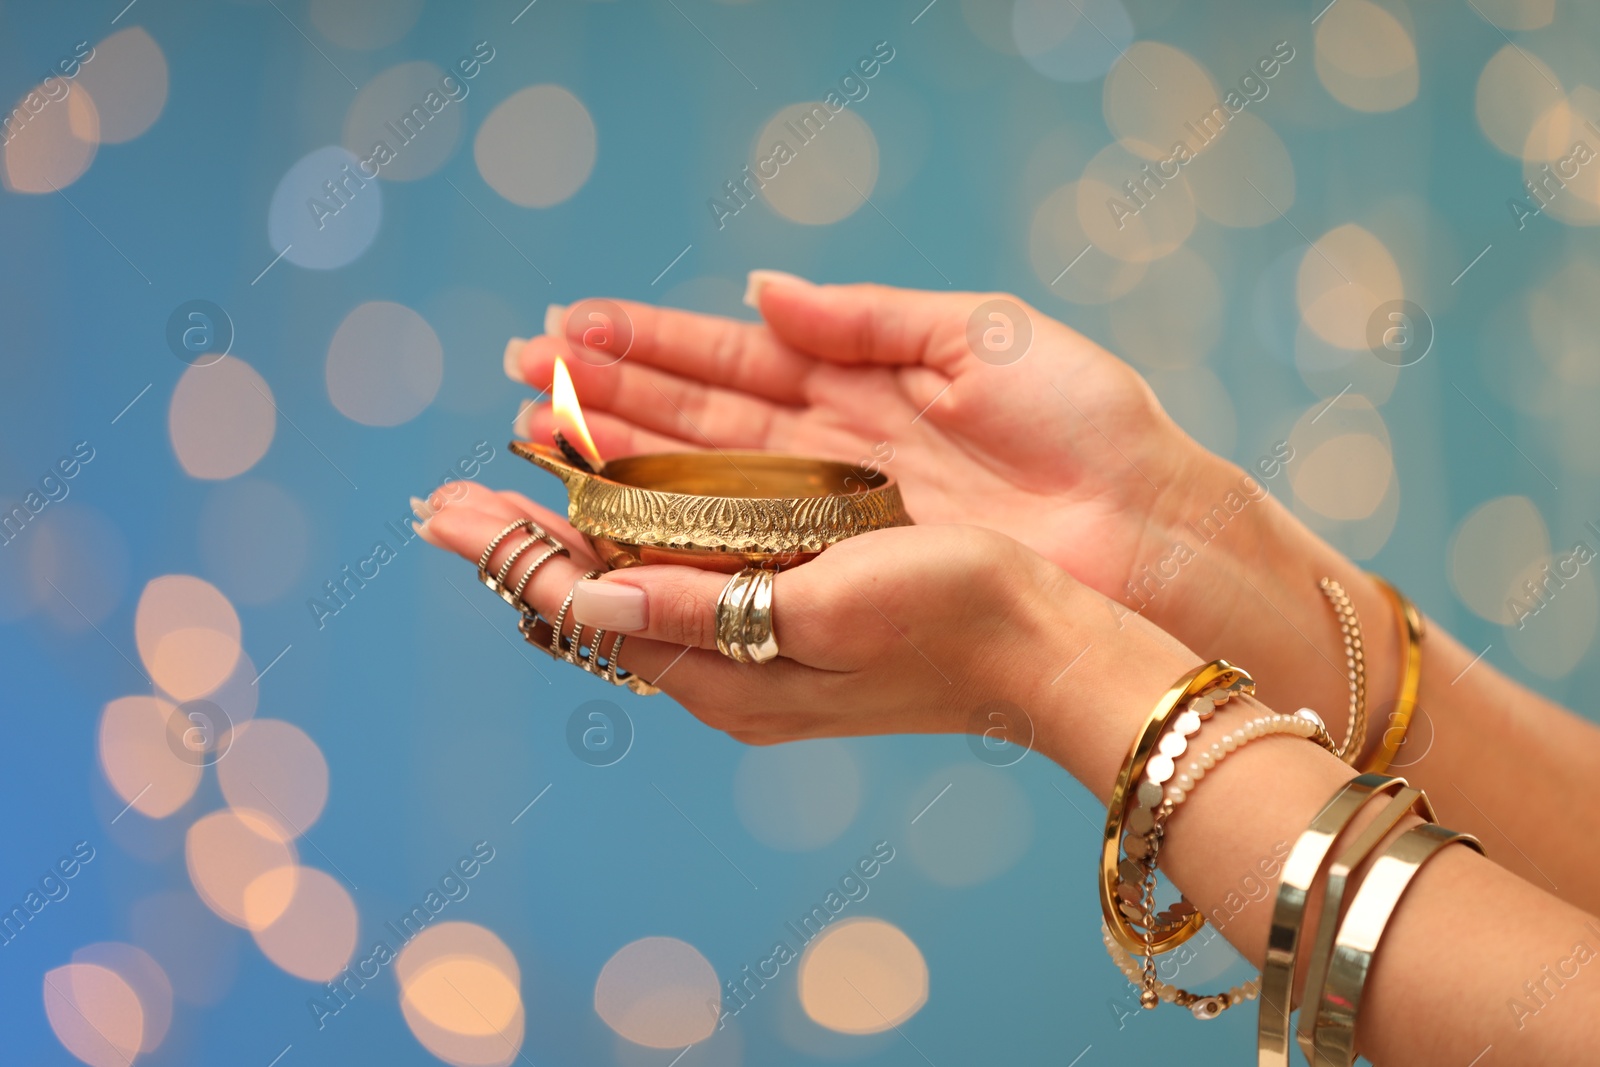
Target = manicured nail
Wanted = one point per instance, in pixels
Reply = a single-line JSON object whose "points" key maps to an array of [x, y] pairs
{"points": [[519, 425], [513, 358], [423, 532], [609, 605], [760, 279], [421, 509], [555, 320]]}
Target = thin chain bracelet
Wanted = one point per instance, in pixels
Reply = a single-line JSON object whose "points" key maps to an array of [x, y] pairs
{"points": [[1173, 785], [1166, 991], [1355, 661]]}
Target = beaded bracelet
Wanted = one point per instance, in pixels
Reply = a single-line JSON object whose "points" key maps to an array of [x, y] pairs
{"points": [[1163, 798], [1191, 699], [1355, 661]]}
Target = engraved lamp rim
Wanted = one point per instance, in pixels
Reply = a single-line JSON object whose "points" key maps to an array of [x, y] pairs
{"points": [[721, 509]]}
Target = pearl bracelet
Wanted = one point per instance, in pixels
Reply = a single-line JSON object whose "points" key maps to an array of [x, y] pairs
{"points": [[1303, 723], [1166, 785]]}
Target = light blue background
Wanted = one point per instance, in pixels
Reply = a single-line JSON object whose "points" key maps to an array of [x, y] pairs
{"points": [[437, 731]]}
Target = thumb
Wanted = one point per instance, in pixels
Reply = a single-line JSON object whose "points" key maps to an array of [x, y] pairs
{"points": [[864, 323], [677, 605]]}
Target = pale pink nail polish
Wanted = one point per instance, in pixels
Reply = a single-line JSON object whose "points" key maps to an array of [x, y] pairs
{"points": [[519, 425], [760, 279], [513, 358], [555, 317], [609, 605]]}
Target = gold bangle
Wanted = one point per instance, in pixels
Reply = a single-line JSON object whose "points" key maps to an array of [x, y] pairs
{"points": [[1404, 803], [1359, 933], [1300, 872], [1214, 675], [1412, 630], [1304, 723]]}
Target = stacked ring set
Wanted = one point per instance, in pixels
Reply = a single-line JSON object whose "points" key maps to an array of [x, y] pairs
{"points": [[576, 648]]}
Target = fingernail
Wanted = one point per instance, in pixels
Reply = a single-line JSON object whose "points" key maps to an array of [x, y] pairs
{"points": [[759, 279], [513, 358], [519, 425], [421, 509], [609, 605], [423, 532], [555, 320]]}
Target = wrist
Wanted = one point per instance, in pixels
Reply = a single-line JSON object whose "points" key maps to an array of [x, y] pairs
{"points": [[1090, 678], [1218, 525], [1249, 592]]}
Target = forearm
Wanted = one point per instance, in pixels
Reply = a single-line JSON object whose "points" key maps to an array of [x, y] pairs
{"points": [[1502, 759], [1495, 757], [1465, 938]]}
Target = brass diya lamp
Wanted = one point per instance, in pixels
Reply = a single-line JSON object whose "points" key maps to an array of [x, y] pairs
{"points": [[718, 510]]}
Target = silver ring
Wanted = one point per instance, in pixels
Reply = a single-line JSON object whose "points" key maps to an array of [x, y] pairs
{"points": [[498, 582], [760, 643], [570, 653], [514, 598], [547, 637], [732, 594], [483, 560], [744, 629]]}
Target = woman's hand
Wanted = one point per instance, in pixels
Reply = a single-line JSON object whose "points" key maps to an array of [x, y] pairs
{"points": [[1061, 446], [905, 630]]}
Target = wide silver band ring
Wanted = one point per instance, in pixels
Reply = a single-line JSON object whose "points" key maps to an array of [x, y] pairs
{"points": [[744, 618]]}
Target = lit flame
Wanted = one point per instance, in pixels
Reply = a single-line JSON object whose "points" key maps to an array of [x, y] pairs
{"points": [[569, 415]]}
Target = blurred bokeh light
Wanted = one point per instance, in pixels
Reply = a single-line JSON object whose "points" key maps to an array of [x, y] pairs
{"points": [[460, 993], [862, 976], [659, 992]]}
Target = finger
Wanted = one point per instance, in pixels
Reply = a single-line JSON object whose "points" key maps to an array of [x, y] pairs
{"points": [[665, 603], [613, 435], [749, 701], [447, 494], [690, 674], [551, 520], [729, 696], [708, 348], [679, 605], [873, 324], [508, 506], [467, 531], [661, 401], [468, 494]]}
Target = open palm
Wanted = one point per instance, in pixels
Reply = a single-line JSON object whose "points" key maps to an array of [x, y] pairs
{"points": [[1063, 447]]}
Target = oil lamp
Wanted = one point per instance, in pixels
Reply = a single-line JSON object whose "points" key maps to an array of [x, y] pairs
{"points": [[718, 510]]}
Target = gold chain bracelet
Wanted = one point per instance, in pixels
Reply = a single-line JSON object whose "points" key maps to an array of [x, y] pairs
{"points": [[1355, 659]]}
